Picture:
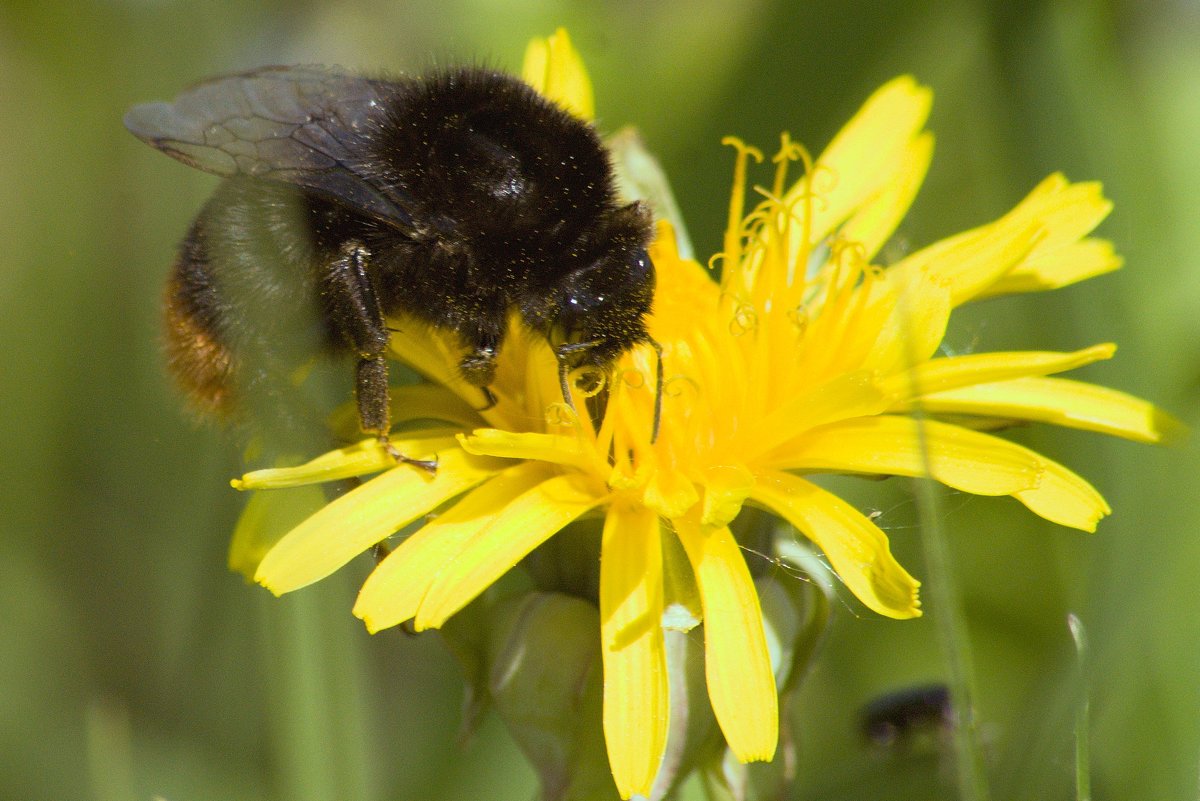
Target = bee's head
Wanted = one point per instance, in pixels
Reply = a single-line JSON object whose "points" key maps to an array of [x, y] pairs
{"points": [[597, 311]]}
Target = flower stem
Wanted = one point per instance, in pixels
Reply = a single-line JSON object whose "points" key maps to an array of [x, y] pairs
{"points": [[953, 638], [317, 708], [948, 618], [1083, 779]]}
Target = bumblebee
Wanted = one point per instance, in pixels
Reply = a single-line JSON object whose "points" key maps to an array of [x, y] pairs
{"points": [[455, 198]]}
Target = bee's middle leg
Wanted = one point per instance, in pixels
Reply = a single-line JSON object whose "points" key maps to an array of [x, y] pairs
{"points": [[356, 313]]}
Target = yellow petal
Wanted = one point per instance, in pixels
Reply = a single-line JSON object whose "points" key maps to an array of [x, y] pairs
{"points": [[394, 591], [683, 283], [364, 516], [1063, 402], [889, 445], [554, 68], [1063, 497], [1025, 244], [670, 493], [528, 520], [367, 456], [874, 222], [854, 394], [953, 372], [967, 460], [553, 448], [913, 309], [635, 671], [1061, 267], [857, 549], [973, 261], [1067, 211], [433, 355], [725, 488], [737, 665], [430, 402], [865, 153]]}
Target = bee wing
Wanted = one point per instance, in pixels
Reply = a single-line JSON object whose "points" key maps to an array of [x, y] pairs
{"points": [[306, 126]]}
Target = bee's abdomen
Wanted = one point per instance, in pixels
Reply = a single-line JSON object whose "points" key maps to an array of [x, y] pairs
{"points": [[197, 354]]}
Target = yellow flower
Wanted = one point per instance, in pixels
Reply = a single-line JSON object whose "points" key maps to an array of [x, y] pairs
{"points": [[806, 358]]}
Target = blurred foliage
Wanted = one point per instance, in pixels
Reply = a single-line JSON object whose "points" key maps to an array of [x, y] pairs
{"points": [[132, 663]]}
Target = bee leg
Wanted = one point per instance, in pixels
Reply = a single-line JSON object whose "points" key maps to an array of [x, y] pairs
{"points": [[371, 391], [489, 398], [356, 313], [658, 389], [564, 381]]}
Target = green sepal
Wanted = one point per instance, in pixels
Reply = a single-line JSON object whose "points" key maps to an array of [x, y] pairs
{"points": [[544, 681]]}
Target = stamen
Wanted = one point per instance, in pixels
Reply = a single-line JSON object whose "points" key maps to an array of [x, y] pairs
{"points": [[675, 386], [633, 378], [561, 415], [788, 152], [745, 320], [597, 380], [799, 317], [842, 300], [737, 199], [808, 197]]}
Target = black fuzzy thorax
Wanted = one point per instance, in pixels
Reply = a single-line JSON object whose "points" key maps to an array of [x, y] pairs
{"points": [[504, 187]]}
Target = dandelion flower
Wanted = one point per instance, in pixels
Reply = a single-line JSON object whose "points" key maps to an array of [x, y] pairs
{"points": [[806, 357]]}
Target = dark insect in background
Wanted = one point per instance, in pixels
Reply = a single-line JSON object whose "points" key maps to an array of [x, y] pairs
{"points": [[455, 198], [896, 720]]}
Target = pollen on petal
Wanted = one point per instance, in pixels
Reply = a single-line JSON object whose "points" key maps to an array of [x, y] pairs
{"points": [[725, 489], [670, 493]]}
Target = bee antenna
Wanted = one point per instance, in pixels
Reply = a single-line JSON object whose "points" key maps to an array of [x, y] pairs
{"points": [[658, 389]]}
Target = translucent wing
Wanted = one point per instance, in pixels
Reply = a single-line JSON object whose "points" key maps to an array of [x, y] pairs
{"points": [[306, 126]]}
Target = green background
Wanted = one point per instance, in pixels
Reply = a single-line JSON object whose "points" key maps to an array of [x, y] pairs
{"points": [[133, 664]]}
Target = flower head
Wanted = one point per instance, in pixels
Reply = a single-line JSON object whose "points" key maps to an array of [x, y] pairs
{"points": [[806, 357]]}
